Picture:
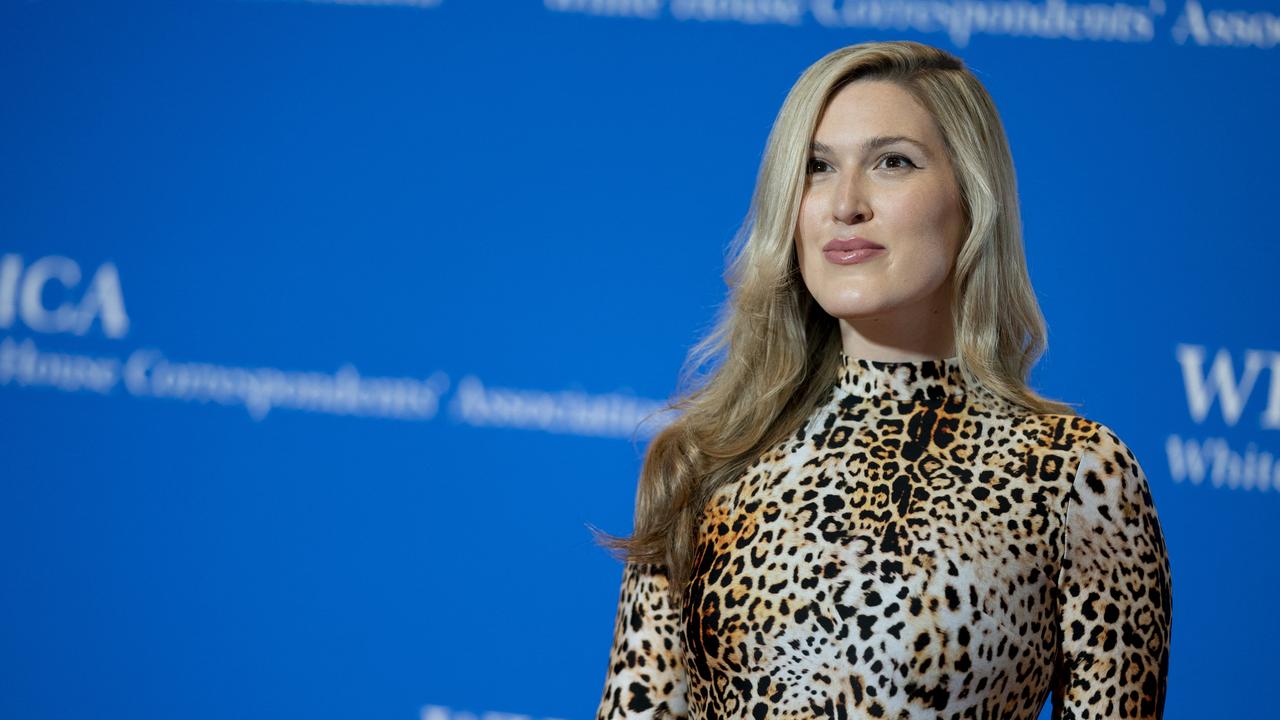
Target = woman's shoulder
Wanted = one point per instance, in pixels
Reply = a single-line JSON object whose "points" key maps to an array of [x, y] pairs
{"points": [[1100, 463], [1073, 441], [1065, 431], [1080, 432]]}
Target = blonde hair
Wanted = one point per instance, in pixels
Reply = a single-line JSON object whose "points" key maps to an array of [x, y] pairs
{"points": [[776, 353]]}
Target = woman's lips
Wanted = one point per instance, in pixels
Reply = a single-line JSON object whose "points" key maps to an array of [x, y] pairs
{"points": [[851, 250], [852, 257]]}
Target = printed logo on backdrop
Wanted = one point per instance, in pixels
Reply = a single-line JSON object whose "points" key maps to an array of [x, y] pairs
{"points": [[1243, 402], [53, 296], [1195, 23]]}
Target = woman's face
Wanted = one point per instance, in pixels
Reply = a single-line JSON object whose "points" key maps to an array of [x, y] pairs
{"points": [[878, 171]]}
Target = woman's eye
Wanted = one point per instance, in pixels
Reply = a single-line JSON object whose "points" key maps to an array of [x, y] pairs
{"points": [[815, 165], [902, 158]]}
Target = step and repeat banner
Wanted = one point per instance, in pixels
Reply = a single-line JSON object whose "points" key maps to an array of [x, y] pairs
{"points": [[328, 328]]}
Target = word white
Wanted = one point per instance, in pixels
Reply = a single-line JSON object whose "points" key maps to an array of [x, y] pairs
{"points": [[568, 412], [22, 297], [1220, 382], [1215, 461]]}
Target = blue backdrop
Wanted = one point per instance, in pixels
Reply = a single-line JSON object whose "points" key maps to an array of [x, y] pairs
{"points": [[324, 327]]}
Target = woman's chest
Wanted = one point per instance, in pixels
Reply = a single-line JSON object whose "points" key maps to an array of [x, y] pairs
{"points": [[855, 553]]}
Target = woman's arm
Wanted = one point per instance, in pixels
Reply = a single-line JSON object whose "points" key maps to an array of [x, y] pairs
{"points": [[646, 674], [1114, 591]]}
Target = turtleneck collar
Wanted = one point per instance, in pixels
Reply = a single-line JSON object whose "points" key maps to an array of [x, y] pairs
{"points": [[901, 380]]}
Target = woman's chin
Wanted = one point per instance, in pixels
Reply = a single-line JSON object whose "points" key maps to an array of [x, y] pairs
{"points": [[855, 310]]}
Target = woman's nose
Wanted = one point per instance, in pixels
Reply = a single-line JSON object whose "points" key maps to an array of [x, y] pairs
{"points": [[850, 204]]}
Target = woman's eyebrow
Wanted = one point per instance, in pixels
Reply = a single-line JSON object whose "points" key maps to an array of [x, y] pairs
{"points": [[872, 143]]}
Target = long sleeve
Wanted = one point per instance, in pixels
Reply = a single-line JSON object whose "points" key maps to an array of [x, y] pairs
{"points": [[646, 677], [1114, 591]]}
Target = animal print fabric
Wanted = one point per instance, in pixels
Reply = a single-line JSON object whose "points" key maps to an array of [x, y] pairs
{"points": [[920, 549]]}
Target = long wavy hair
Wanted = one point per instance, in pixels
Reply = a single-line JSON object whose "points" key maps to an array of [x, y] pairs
{"points": [[774, 352]]}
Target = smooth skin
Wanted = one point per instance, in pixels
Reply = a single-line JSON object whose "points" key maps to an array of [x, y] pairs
{"points": [[902, 195]]}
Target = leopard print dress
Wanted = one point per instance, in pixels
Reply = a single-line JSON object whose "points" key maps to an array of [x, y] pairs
{"points": [[920, 549]]}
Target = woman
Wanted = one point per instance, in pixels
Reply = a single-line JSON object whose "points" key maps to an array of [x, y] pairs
{"points": [[865, 511]]}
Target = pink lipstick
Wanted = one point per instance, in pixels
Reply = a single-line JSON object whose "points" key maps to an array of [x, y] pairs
{"points": [[852, 250]]}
